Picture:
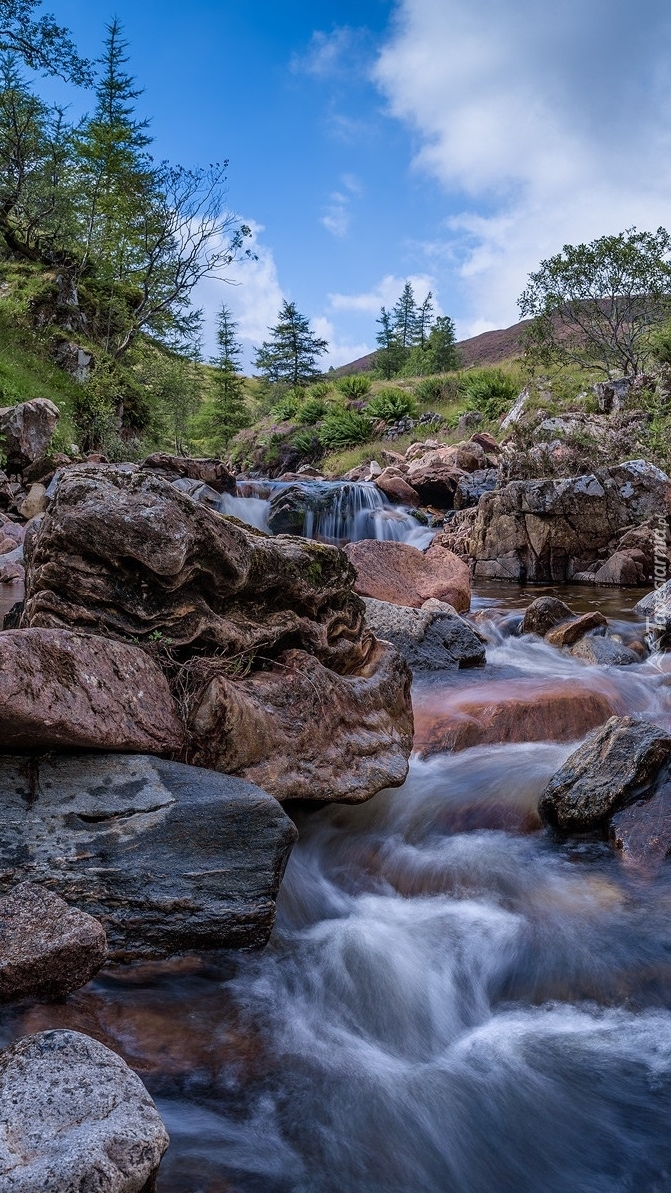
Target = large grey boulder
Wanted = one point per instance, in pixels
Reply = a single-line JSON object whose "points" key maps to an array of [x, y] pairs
{"points": [[47, 949], [431, 638], [26, 431], [656, 609], [168, 857], [544, 614], [604, 651], [614, 766], [75, 1119]]}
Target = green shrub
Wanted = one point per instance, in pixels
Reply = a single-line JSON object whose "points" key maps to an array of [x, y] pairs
{"points": [[319, 389], [344, 428], [392, 404], [490, 391], [312, 410], [308, 443], [355, 385], [286, 408], [660, 344]]}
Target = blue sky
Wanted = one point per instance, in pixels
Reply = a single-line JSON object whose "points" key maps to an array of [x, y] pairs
{"points": [[454, 142]]}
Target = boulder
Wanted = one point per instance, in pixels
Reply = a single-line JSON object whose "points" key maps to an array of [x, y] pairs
{"points": [[403, 575], [642, 831], [75, 1118], [211, 471], [570, 632], [544, 614], [47, 949], [122, 553], [435, 477], [60, 689], [487, 442], [604, 651], [170, 858], [471, 487], [393, 485], [502, 712], [303, 732], [26, 431], [431, 638], [656, 606], [549, 531], [34, 503], [612, 768]]}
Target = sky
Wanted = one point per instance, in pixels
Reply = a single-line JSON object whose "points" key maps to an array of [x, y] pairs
{"points": [[454, 143]]}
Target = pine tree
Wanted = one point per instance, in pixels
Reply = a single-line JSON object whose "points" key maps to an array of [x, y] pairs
{"points": [[291, 353], [441, 345], [228, 383], [391, 355], [405, 318], [424, 320]]}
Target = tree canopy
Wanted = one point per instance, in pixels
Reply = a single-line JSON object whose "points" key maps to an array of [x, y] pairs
{"points": [[291, 353], [42, 44], [596, 304], [411, 341]]}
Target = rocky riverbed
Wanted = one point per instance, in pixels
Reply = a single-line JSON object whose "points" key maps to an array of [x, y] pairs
{"points": [[344, 869]]}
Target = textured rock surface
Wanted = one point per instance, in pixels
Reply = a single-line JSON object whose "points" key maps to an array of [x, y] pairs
{"points": [[403, 575], [572, 631], [60, 689], [551, 530], [544, 614], [611, 769], [642, 831], [122, 553], [603, 650], [75, 1119], [26, 431], [393, 484], [302, 732], [430, 638], [168, 857], [471, 487], [47, 949], [502, 712], [210, 471]]}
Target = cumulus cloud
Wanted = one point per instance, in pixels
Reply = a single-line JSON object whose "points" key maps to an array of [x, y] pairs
{"points": [[252, 291], [545, 124], [341, 350], [385, 293]]}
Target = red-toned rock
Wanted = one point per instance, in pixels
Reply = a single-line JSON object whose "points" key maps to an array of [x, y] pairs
{"points": [[504, 712], [61, 689], [47, 949], [570, 632], [403, 575], [396, 488], [302, 732], [487, 442]]}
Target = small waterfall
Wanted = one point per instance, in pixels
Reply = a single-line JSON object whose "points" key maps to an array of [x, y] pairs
{"points": [[331, 511]]}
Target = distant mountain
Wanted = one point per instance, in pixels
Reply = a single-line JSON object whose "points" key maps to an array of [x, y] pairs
{"points": [[489, 348]]}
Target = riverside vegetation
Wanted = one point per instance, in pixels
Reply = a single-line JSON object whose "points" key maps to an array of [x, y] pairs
{"points": [[335, 726]]}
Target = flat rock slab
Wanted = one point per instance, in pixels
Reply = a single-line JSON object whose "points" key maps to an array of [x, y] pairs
{"points": [[74, 1118], [60, 689], [170, 858], [612, 768], [432, 638], [571, 632], [507, 711], [403, 575], [47, 949]]}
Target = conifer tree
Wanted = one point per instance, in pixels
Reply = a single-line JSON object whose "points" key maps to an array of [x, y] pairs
{"points": [[229, 387], [424, 320], [405, 318], [391, 354], [291, 353]]}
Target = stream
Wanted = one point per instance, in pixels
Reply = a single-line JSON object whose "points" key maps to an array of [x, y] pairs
{"points": [[452, 1000]]}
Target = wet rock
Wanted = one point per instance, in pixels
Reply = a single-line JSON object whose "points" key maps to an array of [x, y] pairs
{"points": [[501, 712], [60, 689], [396, 488], [303, 732], [47, 949], [170, 858], [403, 575], [122, 553], [612, 768], [34, 503], [75, 1118], [544, 614], [656, 607], [642, 831], [210, 471], [549, 531], [604, 651], [26, 431], [431, 638], [471, 487], [435, 478], [571, 632]]}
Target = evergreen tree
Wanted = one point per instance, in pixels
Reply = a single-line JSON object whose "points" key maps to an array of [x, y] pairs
{"points": [[441, 345], [391, 355], [405, 319], [424, 320], [228, 400], [291, 353]]}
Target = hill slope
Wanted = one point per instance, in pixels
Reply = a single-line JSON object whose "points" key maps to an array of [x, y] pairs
{"points": [[489, 348]]}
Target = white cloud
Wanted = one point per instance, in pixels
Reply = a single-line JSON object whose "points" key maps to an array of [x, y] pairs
{"points": [[384, 294], [252, 291], [325, 53], [341, 351], [546, 124], [338, 214]]}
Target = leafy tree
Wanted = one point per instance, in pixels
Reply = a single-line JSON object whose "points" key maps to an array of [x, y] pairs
{"points": [[291, 353], [405, 318], [596, 304], [441, 346], [391, 354], [41, 43]]}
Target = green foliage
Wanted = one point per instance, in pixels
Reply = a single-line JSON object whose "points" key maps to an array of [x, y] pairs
{"points": [[320, 389], [596, 304], [43, 45], [312, 410], [660, 344], [490, 391], [354, 385], [411, 342], [225, 412], [292, 351], [432, 391], [287, 407], [344, 428], [392, 404], [309, 444]]}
